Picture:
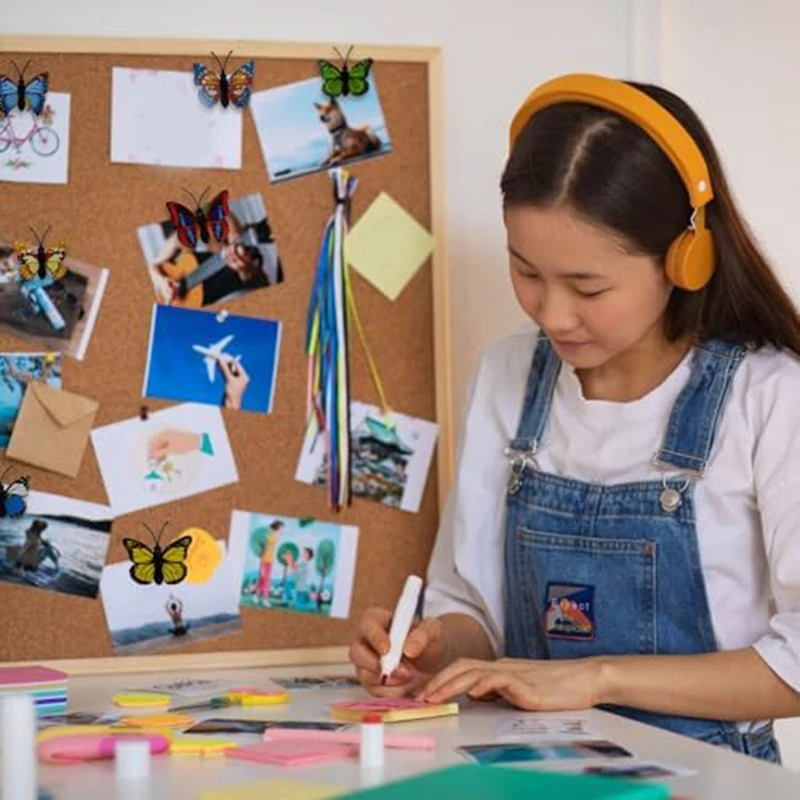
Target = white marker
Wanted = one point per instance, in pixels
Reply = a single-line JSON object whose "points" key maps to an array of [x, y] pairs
{"points": [[19, 747], [401, 624]]}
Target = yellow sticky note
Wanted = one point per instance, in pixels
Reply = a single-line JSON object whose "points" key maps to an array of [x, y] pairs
{"points": [[286, 790], [387, 246]]}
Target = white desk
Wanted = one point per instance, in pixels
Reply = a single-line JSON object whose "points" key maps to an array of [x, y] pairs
{"points": [[721, 774]]}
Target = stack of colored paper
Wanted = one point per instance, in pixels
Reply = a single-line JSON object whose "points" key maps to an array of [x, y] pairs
{"points": [[48, 687]]}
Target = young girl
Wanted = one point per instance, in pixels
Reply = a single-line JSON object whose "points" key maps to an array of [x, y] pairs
{"points": [[624, 525]]}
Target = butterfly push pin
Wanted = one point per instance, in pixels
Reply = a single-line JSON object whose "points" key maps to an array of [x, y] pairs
{"points": [[40, 261], [222, 89], [346, 79], [13, 495], [158, 565], [204, 222], [30, 95]]}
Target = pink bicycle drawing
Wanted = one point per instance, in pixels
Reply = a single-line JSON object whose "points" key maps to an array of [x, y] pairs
{"points": [[43, 140]]}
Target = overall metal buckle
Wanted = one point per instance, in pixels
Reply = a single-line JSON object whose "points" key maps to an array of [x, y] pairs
{"points": [[520, 460]]}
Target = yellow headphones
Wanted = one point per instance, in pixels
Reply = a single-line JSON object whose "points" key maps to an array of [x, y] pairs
{"points": [[691, 257]]}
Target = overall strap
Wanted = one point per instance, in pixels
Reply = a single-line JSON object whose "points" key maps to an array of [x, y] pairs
{"points": [[538, 396], [694, 419]]}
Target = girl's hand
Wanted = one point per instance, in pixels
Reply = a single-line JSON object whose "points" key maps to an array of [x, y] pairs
{"points": [[425, 652], [566, 685]]}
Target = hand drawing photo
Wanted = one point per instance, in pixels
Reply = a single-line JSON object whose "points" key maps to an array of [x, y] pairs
{"points": [[390, 459], [16, 371], [177, 452], [199, 357], [207, 253], [58, 544], [147, 617], [293, 564], [302, 130], [47, 297], [34, 148]]}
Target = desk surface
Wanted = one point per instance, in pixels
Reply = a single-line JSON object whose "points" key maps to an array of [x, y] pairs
{"points": [[720, 772]]}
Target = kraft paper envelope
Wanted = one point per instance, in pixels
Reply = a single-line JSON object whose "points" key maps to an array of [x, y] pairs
{"points": [[52, 429]]}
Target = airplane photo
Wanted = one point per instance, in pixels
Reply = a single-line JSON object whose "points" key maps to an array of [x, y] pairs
{"points": [[213, 353]]}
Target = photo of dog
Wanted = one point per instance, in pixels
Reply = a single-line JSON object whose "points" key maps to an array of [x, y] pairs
{"points": [[302, 131], [346, 142]]}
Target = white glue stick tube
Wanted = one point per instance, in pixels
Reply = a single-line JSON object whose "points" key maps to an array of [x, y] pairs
{"points": [[401, 624], [372, 744], [19, 747]]}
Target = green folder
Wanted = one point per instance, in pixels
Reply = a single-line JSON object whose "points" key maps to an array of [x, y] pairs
{"points": [[482, 781]]}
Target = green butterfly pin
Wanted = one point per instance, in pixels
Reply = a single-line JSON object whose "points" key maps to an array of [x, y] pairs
{"points": [[347, 79]]}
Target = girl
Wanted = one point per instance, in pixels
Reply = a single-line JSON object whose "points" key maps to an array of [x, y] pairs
{"points": [[624, 526]]}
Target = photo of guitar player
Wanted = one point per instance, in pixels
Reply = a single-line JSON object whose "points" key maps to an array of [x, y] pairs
{"points": [[193, 278]]}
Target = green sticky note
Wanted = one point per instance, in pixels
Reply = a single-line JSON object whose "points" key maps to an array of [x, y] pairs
{"points": [[387, 246], [479, 781]]}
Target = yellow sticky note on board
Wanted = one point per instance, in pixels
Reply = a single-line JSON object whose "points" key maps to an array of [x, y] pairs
{"points": [[387, 246], [286, 790]]}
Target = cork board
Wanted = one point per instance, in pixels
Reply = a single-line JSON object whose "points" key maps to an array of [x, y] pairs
{"points": [[99, 211]]}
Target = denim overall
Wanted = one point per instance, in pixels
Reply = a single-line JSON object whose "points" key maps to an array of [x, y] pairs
{"points": [[615, 569]]}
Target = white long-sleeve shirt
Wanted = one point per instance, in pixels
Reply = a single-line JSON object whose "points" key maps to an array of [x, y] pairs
{"points": [[747, 503]]}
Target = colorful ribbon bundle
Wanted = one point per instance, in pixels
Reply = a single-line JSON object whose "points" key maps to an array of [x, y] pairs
{"points": [[328, 402], [327, 336]]}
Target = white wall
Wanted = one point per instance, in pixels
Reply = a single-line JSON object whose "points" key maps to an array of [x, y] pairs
{"points": [[720, 54]]}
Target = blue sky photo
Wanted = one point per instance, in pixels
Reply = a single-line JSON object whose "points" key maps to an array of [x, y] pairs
{"points": [[293, 139], [177, 372]]}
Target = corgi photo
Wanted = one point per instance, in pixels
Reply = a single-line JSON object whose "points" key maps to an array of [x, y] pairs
{"points": [[302, 131]]}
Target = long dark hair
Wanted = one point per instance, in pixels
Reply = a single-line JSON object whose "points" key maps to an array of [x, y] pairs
{"points": [[610, 172]]}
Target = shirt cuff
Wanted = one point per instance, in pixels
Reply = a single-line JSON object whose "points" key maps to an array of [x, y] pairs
{"points": [[436, 604], [781, 657]]}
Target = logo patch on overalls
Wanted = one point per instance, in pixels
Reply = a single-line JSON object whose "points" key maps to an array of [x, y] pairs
{"points": [[569, 611]]}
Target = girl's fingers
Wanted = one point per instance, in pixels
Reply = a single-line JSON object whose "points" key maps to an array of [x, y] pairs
{"points": [[449, 673], [373, 629], [458, 684]]}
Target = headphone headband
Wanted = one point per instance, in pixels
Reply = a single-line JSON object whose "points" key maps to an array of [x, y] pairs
{"points": [[653, 118]]}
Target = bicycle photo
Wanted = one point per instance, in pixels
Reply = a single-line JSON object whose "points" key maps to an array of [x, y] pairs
{"points": [[44, 141]]}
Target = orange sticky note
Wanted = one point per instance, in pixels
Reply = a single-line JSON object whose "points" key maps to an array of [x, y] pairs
{"points": [[158, 721]]}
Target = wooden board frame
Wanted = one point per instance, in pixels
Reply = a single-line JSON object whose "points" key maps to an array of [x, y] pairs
{"points": [[432, 57]]}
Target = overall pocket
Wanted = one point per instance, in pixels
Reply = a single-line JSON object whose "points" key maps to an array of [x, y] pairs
{"points": [[575, 596]]}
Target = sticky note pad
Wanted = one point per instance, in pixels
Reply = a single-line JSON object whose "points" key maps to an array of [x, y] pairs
{"points": [[387, 246], [477, 782], [285, 790], [391, 710], [200, 746], [141, 699], [166, 720], [294, 753]]}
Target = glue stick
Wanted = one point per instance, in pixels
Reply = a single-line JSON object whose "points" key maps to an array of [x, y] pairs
{"points": [[19, 747], [371, 749]]}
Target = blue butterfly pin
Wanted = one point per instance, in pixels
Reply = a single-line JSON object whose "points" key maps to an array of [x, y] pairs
{"points": [[12, 496], [23, 95]]}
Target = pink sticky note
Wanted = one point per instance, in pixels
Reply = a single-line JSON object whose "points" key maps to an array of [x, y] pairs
{"points": [[293, 754], [24, 676]]}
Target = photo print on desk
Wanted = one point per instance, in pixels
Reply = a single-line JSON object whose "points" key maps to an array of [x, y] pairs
{"points": [[54, 315], [197, 356], [293, 564], [148, 618], [175, 453], [390, 462], [16, 371], [156, 119], [191, 273], [35, 148], [301, 130], [59, 544]]}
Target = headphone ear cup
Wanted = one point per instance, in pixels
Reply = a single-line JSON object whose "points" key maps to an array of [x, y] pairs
{"points": [[691, 259]]}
